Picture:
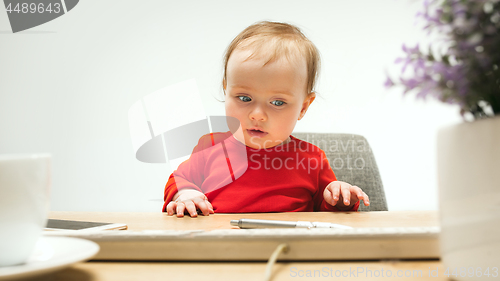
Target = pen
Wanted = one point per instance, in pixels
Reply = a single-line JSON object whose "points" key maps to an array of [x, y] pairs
{"points": [[253, 223]]}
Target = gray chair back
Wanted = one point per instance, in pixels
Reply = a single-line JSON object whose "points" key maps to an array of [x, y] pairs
{"points": [[352, 161]]}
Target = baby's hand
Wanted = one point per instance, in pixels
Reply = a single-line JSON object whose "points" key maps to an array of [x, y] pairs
{"points": [[189, 200], [344, 195]]}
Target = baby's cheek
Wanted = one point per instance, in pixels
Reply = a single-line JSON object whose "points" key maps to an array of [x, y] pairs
{"points": [[233, 112]]}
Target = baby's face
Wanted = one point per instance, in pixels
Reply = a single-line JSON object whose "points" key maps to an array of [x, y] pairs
{"points": [[267, 100]]}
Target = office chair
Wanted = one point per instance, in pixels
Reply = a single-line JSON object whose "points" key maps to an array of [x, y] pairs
{"points": [[352, 161]]}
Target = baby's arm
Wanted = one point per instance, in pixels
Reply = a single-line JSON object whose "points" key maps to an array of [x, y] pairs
{"points": [[344, 195], [183, 191], [189, 200]]}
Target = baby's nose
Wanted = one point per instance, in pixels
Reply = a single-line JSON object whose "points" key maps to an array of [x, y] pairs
{"points": [[258, 114]]}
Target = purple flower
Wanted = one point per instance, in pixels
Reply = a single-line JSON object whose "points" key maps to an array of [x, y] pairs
{"points": [[467, 73], [388, 82]]}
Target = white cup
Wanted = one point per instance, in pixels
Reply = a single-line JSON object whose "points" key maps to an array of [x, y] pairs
{"points": [[24, 204]]}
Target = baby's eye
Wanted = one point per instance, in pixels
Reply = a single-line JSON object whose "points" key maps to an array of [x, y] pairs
{"points": [[278, 102], [244, 98]]}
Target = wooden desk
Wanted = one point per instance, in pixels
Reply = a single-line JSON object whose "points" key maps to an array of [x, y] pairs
{"points": [[352, 270], [148, 221]]}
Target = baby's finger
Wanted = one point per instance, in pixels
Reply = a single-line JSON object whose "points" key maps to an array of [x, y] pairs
{"points": [[191, 208], [200, 203], [346, 194], [335, 188], [210, 207], [328, 196], [357, 194], [366, 200], [361, 195], [180, 209], [171, 208]]}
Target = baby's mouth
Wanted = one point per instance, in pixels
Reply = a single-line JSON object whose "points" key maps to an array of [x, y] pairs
{"points": [[257, 133]]}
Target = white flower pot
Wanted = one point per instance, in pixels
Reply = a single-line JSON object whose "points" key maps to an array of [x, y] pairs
{"points": [[469, 198]]}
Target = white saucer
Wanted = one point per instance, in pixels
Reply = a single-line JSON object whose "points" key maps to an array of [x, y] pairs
{"points": [[51, 254]]}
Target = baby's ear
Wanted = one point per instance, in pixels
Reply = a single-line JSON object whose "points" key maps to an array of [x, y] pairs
{"points": [[307, 102]]}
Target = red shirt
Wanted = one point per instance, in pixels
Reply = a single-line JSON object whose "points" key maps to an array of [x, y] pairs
{"points": [[239, 179]]}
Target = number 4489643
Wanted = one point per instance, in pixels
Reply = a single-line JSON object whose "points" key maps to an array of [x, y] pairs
{"points": [[34, 8], [471, 272]]}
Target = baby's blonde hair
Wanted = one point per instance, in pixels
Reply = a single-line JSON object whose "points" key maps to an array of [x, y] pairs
{"points": [[277, 40]]}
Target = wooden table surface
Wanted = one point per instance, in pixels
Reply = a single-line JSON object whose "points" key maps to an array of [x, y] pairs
{"points": [[241, 271], [158, 221]]}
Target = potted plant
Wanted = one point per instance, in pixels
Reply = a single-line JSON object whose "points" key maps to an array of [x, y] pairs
{"points": [[463, 69]]}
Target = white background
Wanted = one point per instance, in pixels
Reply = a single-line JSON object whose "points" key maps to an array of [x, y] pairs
{"points": [[66, 87]]}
